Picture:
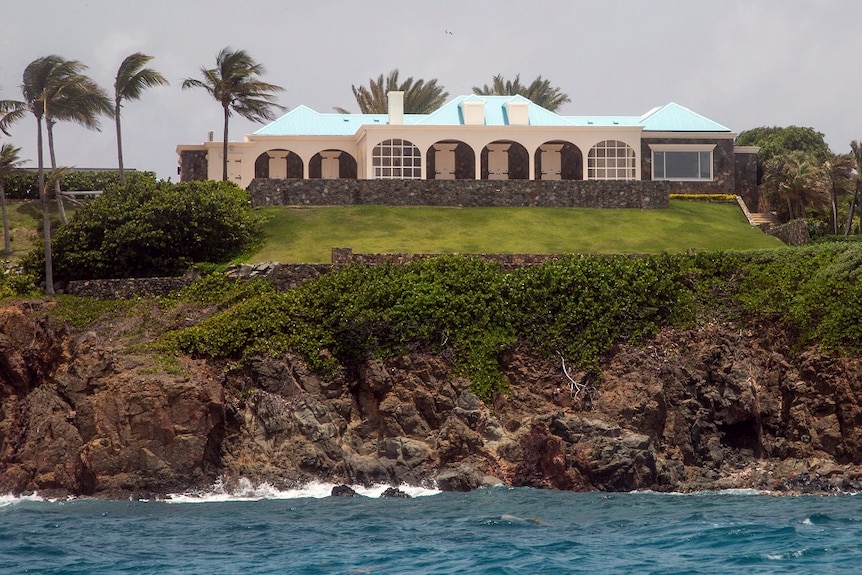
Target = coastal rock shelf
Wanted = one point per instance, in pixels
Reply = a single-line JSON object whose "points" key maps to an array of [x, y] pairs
{"points": [[707, 408]]}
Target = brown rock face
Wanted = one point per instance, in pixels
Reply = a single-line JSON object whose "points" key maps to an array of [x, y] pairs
{"points": [[707, 408]]}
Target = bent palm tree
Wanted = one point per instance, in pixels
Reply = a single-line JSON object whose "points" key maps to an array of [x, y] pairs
{"points": [[420, 97], [839, 168], [235, 85], [856, 151], [539, 91], [132, 79], [55, 89], [9, 161]]}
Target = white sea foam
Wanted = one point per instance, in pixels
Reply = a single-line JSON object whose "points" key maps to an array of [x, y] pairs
{"points": [[245, 490], [8, 499]]}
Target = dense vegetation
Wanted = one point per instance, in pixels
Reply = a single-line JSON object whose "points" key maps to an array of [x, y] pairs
{"points": [[150, 228], [574, 309]]}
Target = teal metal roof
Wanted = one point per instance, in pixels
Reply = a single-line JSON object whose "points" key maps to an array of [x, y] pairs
{"points": [[675, 118], [303, 121]]}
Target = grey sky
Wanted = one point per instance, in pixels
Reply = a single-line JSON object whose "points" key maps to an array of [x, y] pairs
{"points": [[742, 63]]}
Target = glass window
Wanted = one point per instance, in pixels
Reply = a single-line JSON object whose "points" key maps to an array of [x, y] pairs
{"points": [[681, 164], [611, 160], [396, 159]]}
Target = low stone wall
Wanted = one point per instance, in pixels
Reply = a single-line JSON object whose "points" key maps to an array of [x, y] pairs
{"points": [[344, 256], [793, 233], [127, 288], [461, 193]]}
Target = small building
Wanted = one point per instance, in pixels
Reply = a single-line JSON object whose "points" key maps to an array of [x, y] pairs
{"points": [[487, 138]]}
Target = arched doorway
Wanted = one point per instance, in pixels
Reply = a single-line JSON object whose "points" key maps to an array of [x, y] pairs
{"points": [[450, 160], [331, 165], [278, 164], [559, 160], [505, 160]]}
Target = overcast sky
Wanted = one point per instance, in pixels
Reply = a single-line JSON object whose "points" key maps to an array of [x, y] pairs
{"points": [[742, 63]]}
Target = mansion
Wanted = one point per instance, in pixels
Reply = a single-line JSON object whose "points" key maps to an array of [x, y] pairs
{"points": [[485, 138]]}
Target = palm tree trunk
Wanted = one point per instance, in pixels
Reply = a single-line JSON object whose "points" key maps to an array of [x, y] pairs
{"points": [[46, 213], [833, 196], [61, 209], [119, 144], [224, 145], [7, 239], [853, 205]]}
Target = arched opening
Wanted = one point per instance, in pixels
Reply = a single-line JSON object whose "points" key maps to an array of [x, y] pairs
{"points": [[611, 160], [332, 165], [396, 159], [505, 160], [278, 164], [559, 160], [450, 160]]}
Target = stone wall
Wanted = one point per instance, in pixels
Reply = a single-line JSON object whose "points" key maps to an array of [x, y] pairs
{"points": [[746, 179], [461, 193], [193, 165], [793, 233], [127, 288]]}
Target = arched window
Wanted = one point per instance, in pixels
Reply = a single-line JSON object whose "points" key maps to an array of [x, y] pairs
{"points": [[396, 159], [611, 160]]}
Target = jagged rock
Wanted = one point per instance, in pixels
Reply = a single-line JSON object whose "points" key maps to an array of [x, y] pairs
{"points": [[394, 493], [343, 491], [712, 407]]}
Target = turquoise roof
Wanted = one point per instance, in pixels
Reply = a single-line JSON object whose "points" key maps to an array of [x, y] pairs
{"points": [[303, 121], [675, 118]]}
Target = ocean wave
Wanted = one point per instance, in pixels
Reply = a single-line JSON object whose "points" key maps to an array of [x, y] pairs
{"points": [[245, 490], [9, 499]]}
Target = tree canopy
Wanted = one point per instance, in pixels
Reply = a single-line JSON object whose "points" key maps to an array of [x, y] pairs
{"points": [[539, 91], [420, 96], [778, 140]]}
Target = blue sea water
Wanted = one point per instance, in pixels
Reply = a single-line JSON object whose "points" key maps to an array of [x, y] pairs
{"points": [[488, 531]]}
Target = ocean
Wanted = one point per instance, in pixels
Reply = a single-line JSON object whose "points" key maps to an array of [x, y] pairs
{"points": [[488, 531]]}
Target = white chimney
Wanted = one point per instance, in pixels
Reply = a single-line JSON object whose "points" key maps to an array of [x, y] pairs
{"points": [[396, 107]]}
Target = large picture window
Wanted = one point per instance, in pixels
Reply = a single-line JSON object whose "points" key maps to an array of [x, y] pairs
{"points": [[396, 159], [611, 160], [693, 163]]}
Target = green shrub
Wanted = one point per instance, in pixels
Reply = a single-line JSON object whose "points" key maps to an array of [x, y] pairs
{"points": [[152, 229]]}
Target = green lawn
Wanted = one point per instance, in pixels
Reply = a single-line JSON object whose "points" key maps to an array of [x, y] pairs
{"points": [[308, 234]]}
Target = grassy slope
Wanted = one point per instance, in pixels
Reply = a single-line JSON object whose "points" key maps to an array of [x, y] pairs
{"points": [[308, 234]]}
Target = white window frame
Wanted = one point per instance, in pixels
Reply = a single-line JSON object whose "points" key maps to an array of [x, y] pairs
{"points": [[693, 148], [396, 159], [612, 160]]}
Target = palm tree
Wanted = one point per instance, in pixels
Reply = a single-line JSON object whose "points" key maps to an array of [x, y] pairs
{"points": [[839, 168], [132, 79], [420, 97], [539, 92], [10, 112], [9, 161], [796, 179], [235, 83], [856, 151], [55, 89]]}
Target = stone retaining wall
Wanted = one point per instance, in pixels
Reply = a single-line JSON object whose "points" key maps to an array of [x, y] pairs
{"points": [[461, 193]]}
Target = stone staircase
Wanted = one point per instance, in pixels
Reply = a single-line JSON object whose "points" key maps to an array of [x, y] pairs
{"points": [[763, 220]]}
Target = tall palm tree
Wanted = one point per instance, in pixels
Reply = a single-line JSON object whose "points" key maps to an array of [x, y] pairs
{"points": [[132, 79], [9, 161], [539, 91], [856, 151], [235, 84], [839, 168], [420, 97], [75, 97], [55, 89]]}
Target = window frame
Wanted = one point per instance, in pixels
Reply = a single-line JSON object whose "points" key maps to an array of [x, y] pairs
{"points": [[688, 148], [392, 158], [604, 157]]}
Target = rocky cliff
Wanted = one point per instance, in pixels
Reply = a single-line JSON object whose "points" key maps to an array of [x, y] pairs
{"points": [[81, 412]]}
